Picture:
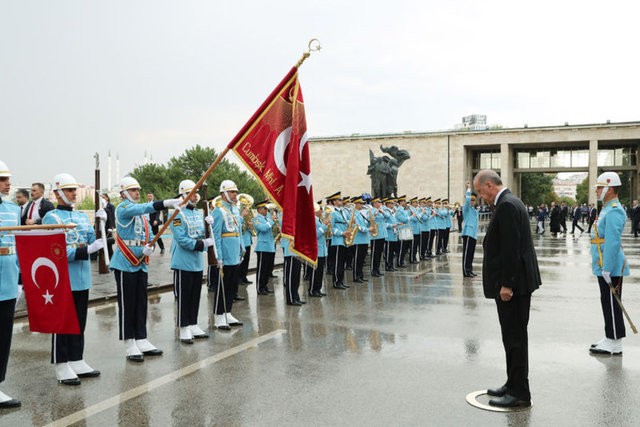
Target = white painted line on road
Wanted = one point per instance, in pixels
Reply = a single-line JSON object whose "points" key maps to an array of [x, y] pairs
{"points": [[159, 382]]}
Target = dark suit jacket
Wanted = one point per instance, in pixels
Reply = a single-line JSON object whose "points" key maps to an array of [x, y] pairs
{"points": [[592, 215], [45, 206], [635, 213], [509, 257]]}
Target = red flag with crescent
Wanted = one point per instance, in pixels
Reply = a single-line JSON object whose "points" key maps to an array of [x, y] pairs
{"points": [[273, 145], [45, 279]]}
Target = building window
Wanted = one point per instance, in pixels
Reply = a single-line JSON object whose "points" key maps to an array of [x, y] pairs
{"points": [[486, 160], [620, 156]]}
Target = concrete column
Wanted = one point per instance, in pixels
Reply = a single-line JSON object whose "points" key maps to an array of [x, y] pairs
{"points": [[506, 165], [593, 169]]}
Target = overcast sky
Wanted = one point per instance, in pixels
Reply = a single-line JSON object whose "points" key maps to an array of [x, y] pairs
{"points": [[79, 77]]}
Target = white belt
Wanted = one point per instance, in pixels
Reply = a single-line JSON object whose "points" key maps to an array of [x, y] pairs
{"points": [[134, 242]]}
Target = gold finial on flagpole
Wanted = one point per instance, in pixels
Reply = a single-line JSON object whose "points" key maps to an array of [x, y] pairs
{"points": [[314, 46]]}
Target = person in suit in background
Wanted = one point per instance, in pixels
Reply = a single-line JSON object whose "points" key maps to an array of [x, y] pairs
{"points": [[22, 199], [593, 212], [510, 275], [564, 214], [635, 218], [110, 225], [576, 217], [37, 207]]}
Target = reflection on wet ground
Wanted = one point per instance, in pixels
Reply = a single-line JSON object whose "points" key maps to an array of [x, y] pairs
{"points": [[404, 349]]}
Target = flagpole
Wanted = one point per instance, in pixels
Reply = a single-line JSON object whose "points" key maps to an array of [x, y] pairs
{"points": [[313, 45], [38, 227]]}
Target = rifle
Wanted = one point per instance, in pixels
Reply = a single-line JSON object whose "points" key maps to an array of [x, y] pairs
{"points": [[211, 256], [103, 267]]}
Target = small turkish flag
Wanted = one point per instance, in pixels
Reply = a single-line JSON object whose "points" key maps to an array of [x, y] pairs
{"points": [[45, 279]]}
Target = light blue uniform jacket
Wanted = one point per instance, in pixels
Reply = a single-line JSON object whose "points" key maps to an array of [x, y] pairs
{"points": [[226, 219], [263, 226], [77, 240], [9, 269], [362, 234], [381, 220], [470, 218], [187, 245], [340, 218], [321, 229], [609, 224]]}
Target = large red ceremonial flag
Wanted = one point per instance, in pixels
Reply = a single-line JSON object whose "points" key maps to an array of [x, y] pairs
{"points": [[45, 277], [273, 145]]}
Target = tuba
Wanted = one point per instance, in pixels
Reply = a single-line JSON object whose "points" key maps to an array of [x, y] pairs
{"points": [[216, 202], [246, 202]]}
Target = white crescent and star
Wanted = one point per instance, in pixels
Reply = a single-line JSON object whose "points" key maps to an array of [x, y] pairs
{"points": [[279, 148], [45, 262]]}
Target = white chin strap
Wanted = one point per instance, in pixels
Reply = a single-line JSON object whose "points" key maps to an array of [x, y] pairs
{"points": [[128, 196], [184, 195], [603, 193], [64, 198]]}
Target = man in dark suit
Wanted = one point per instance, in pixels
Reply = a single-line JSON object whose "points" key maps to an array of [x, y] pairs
{"points": [[635, 218], [592, 216], [509, 275], [37, 207]]}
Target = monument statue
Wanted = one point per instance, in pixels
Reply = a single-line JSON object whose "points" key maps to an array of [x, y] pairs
{"points": [[384, 171]]}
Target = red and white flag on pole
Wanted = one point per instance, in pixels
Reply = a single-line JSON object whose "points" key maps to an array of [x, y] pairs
{"points": [[273, 145], [45, 279]]}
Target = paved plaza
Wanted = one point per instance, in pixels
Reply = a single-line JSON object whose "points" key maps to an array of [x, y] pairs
{"points": [[404, 349]]}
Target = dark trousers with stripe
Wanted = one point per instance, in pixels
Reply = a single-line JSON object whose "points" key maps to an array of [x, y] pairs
{"points": [[331, 257], [613, 321], [405, 246], [291, 278], [188, 287], [415, 248], [338, 263], [440, 241], [315, 276], [377, 247], [445, 243], [349, 256], [264, 269], [514, 318], [132, 304], [468, 251], [227, 288], [244, 265], [433, 236], [7, 310], [70, 347], [359, 254], [390, 253], [424, 244]]}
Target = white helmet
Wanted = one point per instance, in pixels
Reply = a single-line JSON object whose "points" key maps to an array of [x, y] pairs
{"points": [[186, 186], [128, 183], [608, 179], [228, 185], [64, 180], [4, 169]]}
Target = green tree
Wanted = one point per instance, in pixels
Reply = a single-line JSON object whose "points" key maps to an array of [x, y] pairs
{"points": [[163, 180], [582, 191], [537, 188]]}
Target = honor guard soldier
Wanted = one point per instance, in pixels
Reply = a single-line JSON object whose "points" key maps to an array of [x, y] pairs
{"points": [[608, 262], [339, 221], [331, 250], [67, 349], [9, 217], [316, 274], [227, 225], [378, 235], [469, 232], [424, 228], [447, 214], [439, 223], [361, 239], [404, 230], [415, 220], [391, 241], [187, 249], [265, 247], [130, 265]]}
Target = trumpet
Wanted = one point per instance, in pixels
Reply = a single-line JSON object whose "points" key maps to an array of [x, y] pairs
{"points": [[246, 202]]}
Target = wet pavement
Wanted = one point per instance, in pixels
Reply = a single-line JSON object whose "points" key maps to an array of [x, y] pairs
{"points": [[404, 349]]}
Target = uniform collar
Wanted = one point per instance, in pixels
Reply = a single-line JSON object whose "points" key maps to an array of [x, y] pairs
{"points": [[64, 208], [610, 202]]}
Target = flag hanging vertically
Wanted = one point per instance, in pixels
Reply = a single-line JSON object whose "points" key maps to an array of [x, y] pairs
{"points": [[45, 279], [273, 145]]}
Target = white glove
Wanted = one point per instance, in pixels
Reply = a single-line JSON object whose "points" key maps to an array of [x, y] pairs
{"points": [[220, 265], [147, 250], [208, 242], [606, 276], [171, 203], [101, 214], [208, 219], [95, 246]]}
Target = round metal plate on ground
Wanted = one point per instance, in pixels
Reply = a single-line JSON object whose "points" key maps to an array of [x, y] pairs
{"points": [[472, 399]]}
